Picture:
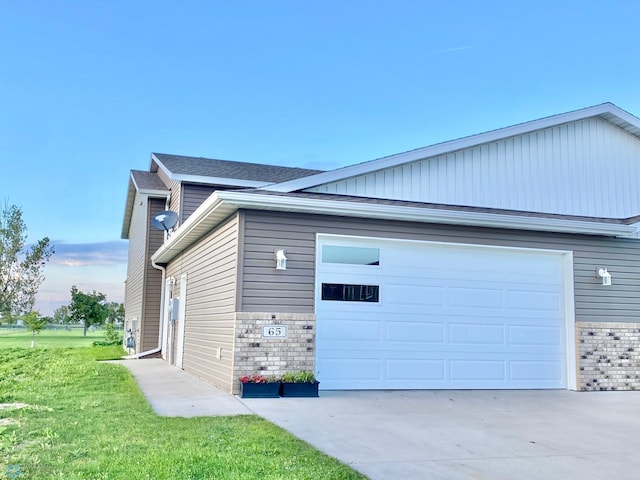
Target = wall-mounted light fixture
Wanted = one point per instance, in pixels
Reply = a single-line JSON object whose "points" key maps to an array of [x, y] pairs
{"points": [[602, 273], [281, 259]]}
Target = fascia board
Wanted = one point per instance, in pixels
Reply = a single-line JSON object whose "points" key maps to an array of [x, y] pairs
{"points": [[159, 164], [128, 208], [221, 204], [425, 215], [629, 122], [232, 182]]}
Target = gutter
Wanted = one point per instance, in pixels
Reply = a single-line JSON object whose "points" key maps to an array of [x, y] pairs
{"points": [[426, 215], [161, 326], [221, 204]]}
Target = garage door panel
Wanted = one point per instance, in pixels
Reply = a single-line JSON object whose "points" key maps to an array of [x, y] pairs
{"points": [[530, 317], [536, 336], [339, 369], [412, 332], [413, 294], [409, 370], [477, 370], [549, 301], [477, 334], [448, 316], [348, 329], [475, 297], [378, 345], [537, 371]]}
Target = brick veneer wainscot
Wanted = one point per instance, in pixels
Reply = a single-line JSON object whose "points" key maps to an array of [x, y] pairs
{"points": [[273, 356], [608, 356]]}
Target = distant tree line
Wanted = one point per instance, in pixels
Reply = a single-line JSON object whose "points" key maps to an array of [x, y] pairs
{"points": [[21, 274]]}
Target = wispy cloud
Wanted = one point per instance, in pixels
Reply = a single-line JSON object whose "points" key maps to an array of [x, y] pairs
{"points": [[453, 49], [89, 254]]}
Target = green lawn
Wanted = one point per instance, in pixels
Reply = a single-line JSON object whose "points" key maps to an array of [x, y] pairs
{"points": [[21, 338], [64, 415]]}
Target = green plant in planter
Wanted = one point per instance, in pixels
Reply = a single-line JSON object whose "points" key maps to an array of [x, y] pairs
{"points": [[299, 384], [303, 376]]}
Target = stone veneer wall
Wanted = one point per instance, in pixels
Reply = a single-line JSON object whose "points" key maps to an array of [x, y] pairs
{"points": [[273, 356], [608, 356]]}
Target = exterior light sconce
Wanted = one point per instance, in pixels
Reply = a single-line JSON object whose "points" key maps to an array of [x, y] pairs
{"points": [[602, 273], [281, 259]]}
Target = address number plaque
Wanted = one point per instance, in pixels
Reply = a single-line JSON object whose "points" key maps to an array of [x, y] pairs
{"points": [[277, 331]]}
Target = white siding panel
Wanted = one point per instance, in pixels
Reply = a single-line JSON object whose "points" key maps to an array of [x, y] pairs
{"points": [[590, 167]]}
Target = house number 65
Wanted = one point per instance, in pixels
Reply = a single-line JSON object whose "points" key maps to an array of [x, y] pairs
{"points": [[279, 331]]}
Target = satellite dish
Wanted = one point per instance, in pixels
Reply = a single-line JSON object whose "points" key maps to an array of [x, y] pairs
{"points": [[165, 220]]}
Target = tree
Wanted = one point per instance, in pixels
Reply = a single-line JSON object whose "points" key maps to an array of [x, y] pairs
{"points": [[20, 266], [88, 308], [115, 313], [35, 323], [61, 315]]}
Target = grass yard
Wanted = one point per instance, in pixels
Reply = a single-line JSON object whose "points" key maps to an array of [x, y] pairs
{"points": [[64, 415], [49, 338]]}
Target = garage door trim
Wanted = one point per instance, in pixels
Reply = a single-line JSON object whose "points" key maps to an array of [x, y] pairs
{"points": [[566, 261]]}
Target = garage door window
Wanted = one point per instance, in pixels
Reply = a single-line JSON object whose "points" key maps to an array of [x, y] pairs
{"points": [[350, 255], [350, 293]]}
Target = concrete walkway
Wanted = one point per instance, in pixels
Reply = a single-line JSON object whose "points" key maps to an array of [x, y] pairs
{"points": [[174, 393], [434, 435]]}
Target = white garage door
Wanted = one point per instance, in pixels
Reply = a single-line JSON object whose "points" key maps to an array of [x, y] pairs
{"points": [[416, 315]]}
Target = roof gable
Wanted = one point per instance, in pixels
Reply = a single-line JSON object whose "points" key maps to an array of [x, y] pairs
{"points": [[606, 111], [144, 183], [584, 163]]}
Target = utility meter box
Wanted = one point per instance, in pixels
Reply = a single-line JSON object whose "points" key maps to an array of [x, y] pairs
{"points": [[175, 309]]}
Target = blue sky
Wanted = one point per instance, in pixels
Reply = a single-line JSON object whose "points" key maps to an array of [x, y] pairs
{"points": [[88, 89]]}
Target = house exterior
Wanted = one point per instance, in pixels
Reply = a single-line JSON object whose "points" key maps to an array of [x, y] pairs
{"points": [[504, 260]]}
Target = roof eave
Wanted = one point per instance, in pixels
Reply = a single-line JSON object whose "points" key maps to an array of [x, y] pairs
{"points": [[223, 203]]}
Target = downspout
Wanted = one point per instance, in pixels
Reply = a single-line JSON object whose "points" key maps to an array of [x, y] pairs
{"points": [[161, 325]]}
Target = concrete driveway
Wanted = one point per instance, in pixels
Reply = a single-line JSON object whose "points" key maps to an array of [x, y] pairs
{"points": [[492, 435]]}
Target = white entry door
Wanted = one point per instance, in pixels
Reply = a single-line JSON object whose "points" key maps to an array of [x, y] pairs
{"points": [[415, 315]]}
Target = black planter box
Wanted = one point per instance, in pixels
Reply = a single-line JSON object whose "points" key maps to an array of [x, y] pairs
{"points": [[299, 389], [260, 390]]}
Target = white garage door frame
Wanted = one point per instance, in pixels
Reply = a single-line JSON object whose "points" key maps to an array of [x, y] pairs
{"points": [[566, 260]]}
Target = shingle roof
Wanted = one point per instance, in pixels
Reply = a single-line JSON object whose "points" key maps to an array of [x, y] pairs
{"points": [[208, 167], [147, 180]]}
